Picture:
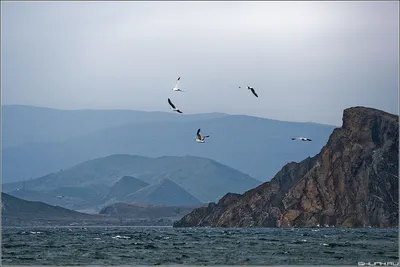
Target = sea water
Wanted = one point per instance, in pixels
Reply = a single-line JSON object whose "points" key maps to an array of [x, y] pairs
{"points": [[196, 246]]}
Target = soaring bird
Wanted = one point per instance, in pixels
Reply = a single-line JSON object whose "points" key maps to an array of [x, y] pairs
{"points": [[176, 88], [173, 106], [201, 139], [301, 138], [252, 90]]}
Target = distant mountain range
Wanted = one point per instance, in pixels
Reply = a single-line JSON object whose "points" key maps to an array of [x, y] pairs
{"points": [[172, 181], [25, 124], [38, 141]]}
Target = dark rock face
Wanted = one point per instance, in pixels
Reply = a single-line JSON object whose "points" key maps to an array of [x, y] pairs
{"points": [[352, 182]]}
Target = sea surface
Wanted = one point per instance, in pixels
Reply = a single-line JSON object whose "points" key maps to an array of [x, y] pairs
{"points": [[196, 246]]}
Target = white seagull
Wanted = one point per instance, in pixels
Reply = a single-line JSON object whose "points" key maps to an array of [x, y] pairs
{"points": [[301, 139], [201, 139], [173, 106], [176, 88]]}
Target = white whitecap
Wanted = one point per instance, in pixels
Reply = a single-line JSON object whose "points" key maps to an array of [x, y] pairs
{"points": [[120, 237]]}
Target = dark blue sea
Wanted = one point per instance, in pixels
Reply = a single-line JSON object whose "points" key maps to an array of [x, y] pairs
{"points": [[196, 246]]}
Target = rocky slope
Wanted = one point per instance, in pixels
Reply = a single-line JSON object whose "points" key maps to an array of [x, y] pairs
{"points": [[352, 182]]}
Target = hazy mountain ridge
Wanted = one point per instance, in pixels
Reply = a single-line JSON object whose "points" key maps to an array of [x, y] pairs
{"points": [[352, 182], [232, 137], [202, 178], [41, 124]]}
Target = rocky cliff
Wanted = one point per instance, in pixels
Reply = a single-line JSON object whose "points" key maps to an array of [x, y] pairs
{"points": [[352, 182]]}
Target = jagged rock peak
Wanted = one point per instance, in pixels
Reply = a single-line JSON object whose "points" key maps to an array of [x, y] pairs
{"points": [[352, 182]]}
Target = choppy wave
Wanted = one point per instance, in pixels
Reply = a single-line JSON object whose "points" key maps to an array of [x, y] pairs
{"points": [[196, 246]]}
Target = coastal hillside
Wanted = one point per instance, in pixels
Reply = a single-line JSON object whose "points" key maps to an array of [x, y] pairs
{"points": [[125, 186], [146, 211], [20, 212], [352, 182], [164, 192], [15, 207]]}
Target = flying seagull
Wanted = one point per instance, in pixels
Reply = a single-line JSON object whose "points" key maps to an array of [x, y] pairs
{"points": [[173, 106], [301, 139], [176, 88], [252, 90], [201, 139]]}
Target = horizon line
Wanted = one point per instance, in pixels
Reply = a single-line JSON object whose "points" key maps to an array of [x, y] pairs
{"points": [[158, 111]]}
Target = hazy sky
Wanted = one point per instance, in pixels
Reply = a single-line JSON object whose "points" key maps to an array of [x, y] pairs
{"points": [[307, 60]]}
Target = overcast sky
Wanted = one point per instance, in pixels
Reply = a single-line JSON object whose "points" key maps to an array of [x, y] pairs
{"points": [[307, 60]]}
